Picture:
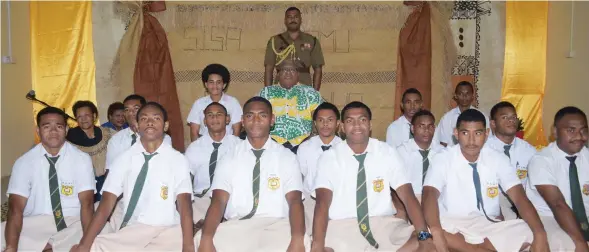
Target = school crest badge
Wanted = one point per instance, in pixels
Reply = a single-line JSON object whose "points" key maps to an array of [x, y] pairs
{"points": [[273, 183], [58, 213], [585, 189], [164, 192], [67, 189], [378, 185], [584, 226], [522, 174], [364, 228], [492, 191]]}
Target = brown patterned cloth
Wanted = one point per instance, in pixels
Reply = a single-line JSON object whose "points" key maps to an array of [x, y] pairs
{"points": [[154, 74], [98, 152]]}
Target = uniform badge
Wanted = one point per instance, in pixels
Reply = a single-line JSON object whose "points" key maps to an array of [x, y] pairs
{"points": [[164, 192], [586, 189], [306, 46], [67, 189], [58, 213], [584, 226], [364, 228], [273, 183], [378, 185], [522, 174], [492, 191]]}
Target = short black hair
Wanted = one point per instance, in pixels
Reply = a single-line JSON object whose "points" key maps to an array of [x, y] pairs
{"points": [[328, 106], [215, 104], [84, 104], [569, 110], [50, 110], [153, 104], [471, 115], [498, 106], [291, 9], [114, 107], [356, 104], [258, 99], [216, 69], [423, 112], [410, 91], [136, 97], [464, 83]]}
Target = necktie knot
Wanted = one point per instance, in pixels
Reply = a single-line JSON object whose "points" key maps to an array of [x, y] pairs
{"points": [[149, 156], [258, 153], [572, 159], [53, 160], [473, 165], [506, 149], [325, 147], [216, 145], [133, 138], [424, 153], [360, 158]]}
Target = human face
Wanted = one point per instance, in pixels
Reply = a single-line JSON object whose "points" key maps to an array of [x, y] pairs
{"points": [[216, 119], [464, 96], [151, 124], [117, 118], [52, 130], [505, 122], [257, 120], [131, 108], [357, 126], [471, 137], [215, 84], [288, 75], [423, 129], [571, 133], [411, 105], [292, 20], [326, 122], [85, 118]]}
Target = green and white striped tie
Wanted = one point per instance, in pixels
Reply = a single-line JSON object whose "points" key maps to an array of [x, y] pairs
{"points": [[137, 188], [212, 166], [54, 194], [362, 202], [255, 184]]}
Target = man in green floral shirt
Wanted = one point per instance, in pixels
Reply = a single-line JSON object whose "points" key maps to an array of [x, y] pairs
{"points": [[293, 105]]}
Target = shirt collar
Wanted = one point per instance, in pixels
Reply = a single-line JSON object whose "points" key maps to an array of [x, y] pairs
{"points": [[61, 153], [138, 147], [458, 152], [404, 119], [498, 143], [209, 140], [369, 148], [266, 146], [560, 152], [334, 141]]}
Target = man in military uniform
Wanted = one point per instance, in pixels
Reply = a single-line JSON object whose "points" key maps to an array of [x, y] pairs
{"points": [[296, 45]]}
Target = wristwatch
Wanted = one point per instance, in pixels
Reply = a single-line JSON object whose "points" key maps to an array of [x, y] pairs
{"points": [[423, 235]]}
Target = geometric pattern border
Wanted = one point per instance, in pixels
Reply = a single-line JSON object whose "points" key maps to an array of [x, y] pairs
{"points": [[328, 77]]}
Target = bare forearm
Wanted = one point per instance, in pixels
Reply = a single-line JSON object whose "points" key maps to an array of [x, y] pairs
{"points": [[320, 222], [415, 213], [429, 205], [297, 220], [566, 220], [99, 220], [212, 220], [186, 224], [86, 214], [317, 76], [13, 229], [397, 202]]}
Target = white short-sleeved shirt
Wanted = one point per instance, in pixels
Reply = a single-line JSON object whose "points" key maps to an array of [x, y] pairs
{"points": [[338, 172], [520, 154], [550, 167], [168, 176], [413, 160], [197, 116], [121, 141], [30, 179], [451, 174], [198, 154], [308, 154], [398, 132], [445, 130], [279, 175]]}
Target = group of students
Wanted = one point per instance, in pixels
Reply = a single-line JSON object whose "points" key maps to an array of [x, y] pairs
{"points": [[477, 189]]}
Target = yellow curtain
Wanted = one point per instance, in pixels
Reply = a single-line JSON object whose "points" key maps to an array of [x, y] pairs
{"points": [[62, 57], [524, 73]]}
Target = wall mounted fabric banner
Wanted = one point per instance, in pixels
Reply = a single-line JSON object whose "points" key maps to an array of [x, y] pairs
{"points": [[524, 76], [62, 57]]}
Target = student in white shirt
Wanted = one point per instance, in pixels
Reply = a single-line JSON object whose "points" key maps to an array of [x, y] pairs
{"points": [[326, 120], [504, 127], [418, 151], [558, 180], [258, 188], [353, 193], [155, 179], [204, 153], [400, 130], [215, 78], [464, 97], [51, 191], [460, 196]]}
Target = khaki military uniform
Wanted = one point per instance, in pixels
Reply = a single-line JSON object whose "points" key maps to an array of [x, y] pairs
{"points": [[307, 51]]}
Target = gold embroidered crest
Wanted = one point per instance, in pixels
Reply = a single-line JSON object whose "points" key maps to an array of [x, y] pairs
{"points": [[274, 183], [58, 213], [364, 228], [522, 174], [584, 226], [378, 185], [586, 189], [67, 190], [164, 192], [492, 191]]}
